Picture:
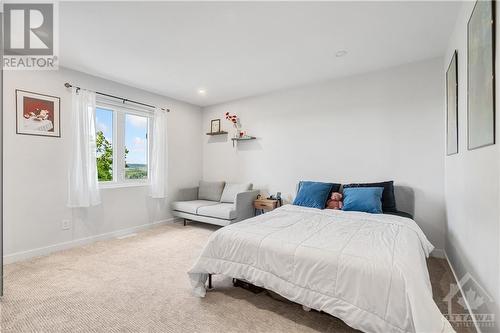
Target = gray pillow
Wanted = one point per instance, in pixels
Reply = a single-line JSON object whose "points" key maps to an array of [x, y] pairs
{"points": [[231, 189], [210, 190]]}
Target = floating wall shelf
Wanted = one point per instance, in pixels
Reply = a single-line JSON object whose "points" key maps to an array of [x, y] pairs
{"points": [[217, 133], [243, 139]]}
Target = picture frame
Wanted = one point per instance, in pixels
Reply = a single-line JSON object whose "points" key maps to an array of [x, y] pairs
{"points": [[481, 76], [215, 126], [452, 106], [37, 114]]}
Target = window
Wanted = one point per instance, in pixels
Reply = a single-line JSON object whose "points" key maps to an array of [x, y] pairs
{"points": [[136, 147], [122, 144]]}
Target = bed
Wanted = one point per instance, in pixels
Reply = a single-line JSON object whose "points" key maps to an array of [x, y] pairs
{"points": [[369, 270]]}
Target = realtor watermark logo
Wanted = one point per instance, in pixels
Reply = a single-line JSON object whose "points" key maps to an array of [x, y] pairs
{"points": [[475, 298], [30, 36]]}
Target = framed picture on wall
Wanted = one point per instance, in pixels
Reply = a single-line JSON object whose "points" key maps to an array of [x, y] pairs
{"points": [[37, 114], [481, 76], [452, 106], [215, 126]]}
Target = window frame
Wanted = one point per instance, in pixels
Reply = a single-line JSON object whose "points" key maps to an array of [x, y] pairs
{"points": [[120, 110]]}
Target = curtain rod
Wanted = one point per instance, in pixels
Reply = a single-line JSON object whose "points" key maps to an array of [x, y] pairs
{"points": [[69, 85]]}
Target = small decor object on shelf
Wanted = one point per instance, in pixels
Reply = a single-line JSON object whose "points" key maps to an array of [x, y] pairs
{"points": [[239, 135], [215, 126], [236, 123], [37, 114]]}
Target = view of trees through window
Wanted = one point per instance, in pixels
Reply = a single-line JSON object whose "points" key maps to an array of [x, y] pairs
{"points": [[136, 147], [104, 143], [135, 138]]}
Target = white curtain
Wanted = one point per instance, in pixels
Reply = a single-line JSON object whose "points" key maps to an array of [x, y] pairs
{"points": [[159, 155], [83, 184]]}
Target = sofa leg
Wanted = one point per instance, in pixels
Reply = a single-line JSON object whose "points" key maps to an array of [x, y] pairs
{"points": [[210, 282]]}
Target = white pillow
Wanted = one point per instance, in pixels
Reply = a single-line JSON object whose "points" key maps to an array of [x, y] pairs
{"points": [[232, 189]]}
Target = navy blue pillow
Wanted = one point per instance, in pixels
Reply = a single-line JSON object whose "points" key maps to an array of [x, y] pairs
{"points": [[313, 194], [388, 198], [363, 199]]}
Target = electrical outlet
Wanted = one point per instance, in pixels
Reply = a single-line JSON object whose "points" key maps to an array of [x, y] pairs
{"points": [[66, 224]]}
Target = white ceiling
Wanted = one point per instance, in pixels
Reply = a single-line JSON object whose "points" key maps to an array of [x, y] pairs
{"points": [[239, 49]]}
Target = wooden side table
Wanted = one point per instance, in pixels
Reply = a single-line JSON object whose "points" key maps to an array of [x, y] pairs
{"points": [[264, 205]]}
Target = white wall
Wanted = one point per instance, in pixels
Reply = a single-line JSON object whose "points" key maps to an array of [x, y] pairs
{"points": [[472, 186], [373, 127], [35, 168]]}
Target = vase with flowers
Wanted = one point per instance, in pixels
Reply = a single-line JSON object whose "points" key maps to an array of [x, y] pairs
{"points": [[235, 120]]}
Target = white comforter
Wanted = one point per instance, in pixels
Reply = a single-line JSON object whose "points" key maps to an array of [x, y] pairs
{"points": [[368, 270]]}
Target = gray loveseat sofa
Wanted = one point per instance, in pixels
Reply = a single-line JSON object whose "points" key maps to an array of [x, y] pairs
{"points": [[217, 203]]}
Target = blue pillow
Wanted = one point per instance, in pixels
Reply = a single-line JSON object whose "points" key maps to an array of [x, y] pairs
{"points": [[363, 199], [313, 194], [388, 198]]}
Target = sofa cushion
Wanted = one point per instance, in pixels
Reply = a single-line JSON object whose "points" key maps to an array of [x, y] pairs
{"points": [[210, 190], [224, 211], [232, 189], [191, 206]]}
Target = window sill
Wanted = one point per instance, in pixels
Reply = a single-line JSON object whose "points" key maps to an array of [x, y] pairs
{"points": [[122, 185]]}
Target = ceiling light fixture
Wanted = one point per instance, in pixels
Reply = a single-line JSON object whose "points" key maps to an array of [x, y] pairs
{"points": [[202, 91], [340, 53]]}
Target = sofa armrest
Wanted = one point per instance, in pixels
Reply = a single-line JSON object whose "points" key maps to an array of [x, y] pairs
{"points": [[244, 204], [187, 194]]}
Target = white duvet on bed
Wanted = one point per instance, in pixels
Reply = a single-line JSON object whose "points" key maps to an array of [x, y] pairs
{"points": [[367, 269]]}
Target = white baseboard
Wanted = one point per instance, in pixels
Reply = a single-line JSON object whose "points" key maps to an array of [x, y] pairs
{"points": [[478, 330], [23, 255], [438, 253]]}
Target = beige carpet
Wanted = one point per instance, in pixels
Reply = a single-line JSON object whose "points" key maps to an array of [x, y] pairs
{"points": [[139, 284]]}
